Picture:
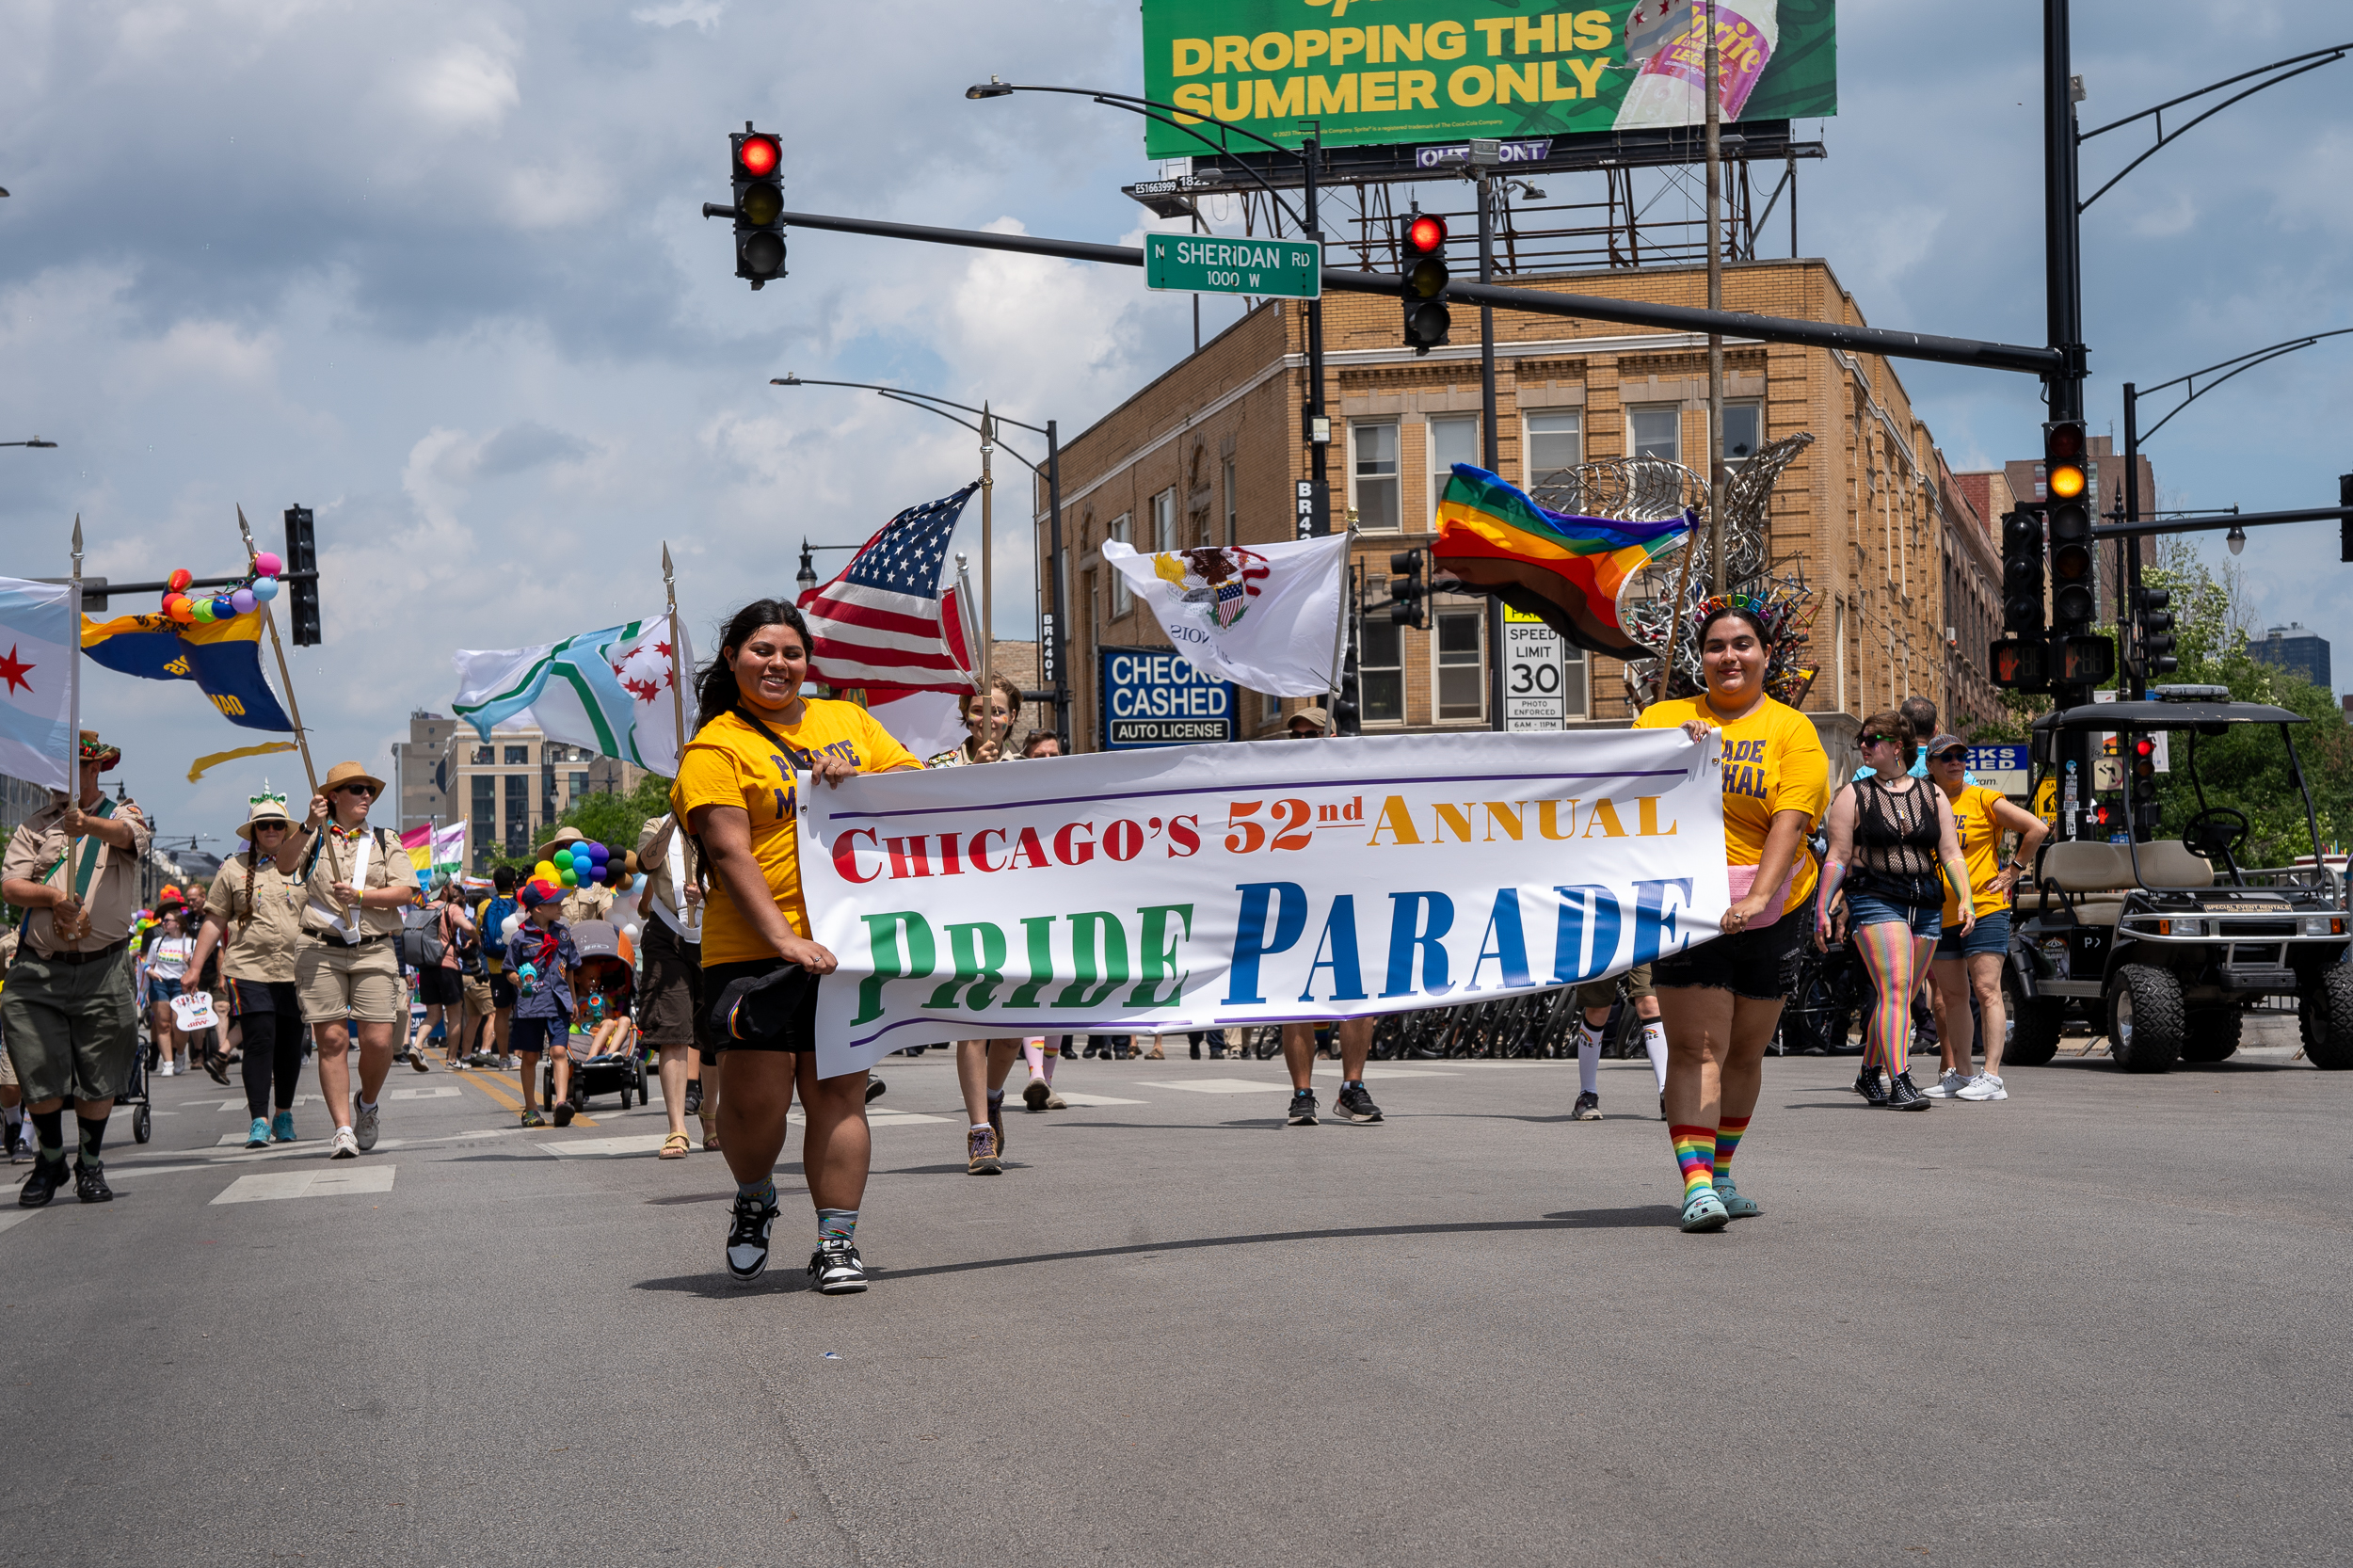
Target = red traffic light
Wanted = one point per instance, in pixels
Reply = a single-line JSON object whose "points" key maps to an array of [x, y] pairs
{"points": [[759, 156], [2144, 747], [1426, 234], [2063, 441]]}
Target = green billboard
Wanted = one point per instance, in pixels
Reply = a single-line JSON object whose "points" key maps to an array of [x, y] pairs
{"points": [[1414, 71]]}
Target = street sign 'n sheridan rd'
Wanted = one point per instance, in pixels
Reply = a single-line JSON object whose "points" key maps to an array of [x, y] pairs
{"points": [[1203, 264]]}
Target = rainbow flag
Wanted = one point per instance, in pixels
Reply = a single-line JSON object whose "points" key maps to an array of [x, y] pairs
{"points": [[1567, 570]]}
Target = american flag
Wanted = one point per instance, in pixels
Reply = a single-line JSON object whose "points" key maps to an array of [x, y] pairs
{"points": [[886, 621]]}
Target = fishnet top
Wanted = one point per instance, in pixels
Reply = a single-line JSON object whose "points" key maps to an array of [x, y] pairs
{"points": [[1894, 831]]}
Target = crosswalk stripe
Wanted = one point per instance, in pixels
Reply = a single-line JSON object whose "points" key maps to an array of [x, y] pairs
{"points": [[309, 1184]]}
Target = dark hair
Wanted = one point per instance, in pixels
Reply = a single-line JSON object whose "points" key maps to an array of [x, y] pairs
{"points": [[1892, 723], [715, 692], [503, 880], [1757, 623], [1036, 737], [1920, 714]]}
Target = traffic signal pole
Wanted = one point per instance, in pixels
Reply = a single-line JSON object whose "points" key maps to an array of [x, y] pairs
{"points": [[1490, 442], [2062, 252]]}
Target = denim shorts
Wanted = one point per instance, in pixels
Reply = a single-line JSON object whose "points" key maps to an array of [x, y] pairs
{"points": [[1862, 910], [1991, 935]]}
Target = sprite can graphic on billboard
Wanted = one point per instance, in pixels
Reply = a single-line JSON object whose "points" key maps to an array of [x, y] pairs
{"points": [[1409, 71]]}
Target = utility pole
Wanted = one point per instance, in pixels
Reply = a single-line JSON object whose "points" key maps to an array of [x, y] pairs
{"points": [[2063, 291], [1717, 582], [1483, 158]]}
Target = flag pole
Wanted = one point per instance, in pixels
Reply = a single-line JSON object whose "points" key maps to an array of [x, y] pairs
{"points": [[677, 676], [73, 735], [285, 679], [989, 625]]}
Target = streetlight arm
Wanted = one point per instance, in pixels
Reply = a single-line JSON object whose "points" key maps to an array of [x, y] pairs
{"points": [[789, 380], [2311, 61], [2247, 361], [901, 397]]}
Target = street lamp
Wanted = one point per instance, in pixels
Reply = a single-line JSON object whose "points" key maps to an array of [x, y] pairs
{"points": [[36, 440], [1051, 634], [2236, 540]]}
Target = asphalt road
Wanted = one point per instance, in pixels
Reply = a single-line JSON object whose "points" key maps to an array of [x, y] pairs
{"points": [[2098, 1321]]}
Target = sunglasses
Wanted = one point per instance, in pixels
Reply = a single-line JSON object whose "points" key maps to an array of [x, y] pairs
{"points": [[1951, 753], [1874, 740], [355, 789]]}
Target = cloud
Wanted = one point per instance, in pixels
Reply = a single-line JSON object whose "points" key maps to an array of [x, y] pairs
{"points": [[704, 14]]}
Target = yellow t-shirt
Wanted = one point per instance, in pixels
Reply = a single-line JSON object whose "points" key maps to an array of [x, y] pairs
{"points": [[1772, 762], [1981, 834], [728, 763]]}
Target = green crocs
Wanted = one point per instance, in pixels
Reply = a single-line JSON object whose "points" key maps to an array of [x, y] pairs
{"points": [[1735, 1205], [1705, 1211]]}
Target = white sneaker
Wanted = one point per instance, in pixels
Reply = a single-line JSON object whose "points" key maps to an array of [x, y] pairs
{"points": [[1945, 1087], [365, 1119], [513, 1063], [345, 1146], [1985, 1086]]}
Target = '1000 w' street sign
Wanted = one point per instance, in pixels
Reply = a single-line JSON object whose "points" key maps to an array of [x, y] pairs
{"points": [[1203, 264]]}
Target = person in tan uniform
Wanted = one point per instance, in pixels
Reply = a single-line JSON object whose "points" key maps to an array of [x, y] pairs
{"points": [[251, 915], [670, 1006], [352, 883], [67, 1011]]}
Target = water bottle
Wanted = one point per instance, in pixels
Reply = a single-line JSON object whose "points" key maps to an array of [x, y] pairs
{"points": [[1671, 89], [527, 978]]}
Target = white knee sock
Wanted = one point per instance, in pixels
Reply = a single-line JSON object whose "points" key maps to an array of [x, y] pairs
{"points": [[1588, 1059], [1654, 1043]]}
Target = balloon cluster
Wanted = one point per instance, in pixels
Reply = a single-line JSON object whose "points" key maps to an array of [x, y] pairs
{"points": [[258, 586], [584, 865]]}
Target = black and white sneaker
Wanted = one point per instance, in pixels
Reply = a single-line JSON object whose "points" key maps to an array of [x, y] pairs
{"points": [[1867, 1083], [1901, 1096], [747, 1238], [1587, 1109], [1356, 1104], [1303, 1111], [835, 1269]]}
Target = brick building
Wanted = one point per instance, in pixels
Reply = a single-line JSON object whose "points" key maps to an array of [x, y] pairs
{"points": [[1209, 454]]}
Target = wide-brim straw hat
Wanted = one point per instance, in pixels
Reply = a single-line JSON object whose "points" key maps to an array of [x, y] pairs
{"points": [[563, 838], [95, 750], [349, 772], [263, 809]]}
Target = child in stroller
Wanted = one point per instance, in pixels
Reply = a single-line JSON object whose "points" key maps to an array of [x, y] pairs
{"points": [[609, 1061]]}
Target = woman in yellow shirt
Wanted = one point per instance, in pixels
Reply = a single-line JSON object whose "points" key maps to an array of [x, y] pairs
{"points": [[738, 792], [1720, 999], [1972, 961]]}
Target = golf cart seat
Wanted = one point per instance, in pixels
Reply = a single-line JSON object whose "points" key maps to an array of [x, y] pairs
{"points": [[2096, 877]]}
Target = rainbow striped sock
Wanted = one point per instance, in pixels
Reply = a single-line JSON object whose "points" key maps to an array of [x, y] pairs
{"points": [[1728, 1138], [1695, 1151]]}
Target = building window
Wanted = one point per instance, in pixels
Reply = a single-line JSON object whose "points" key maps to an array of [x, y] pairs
{"points": [[1655, 432], [1271, 708], [1122, 600], [1374, 473], [1381, 671], [1554, 443], [1451, 441], [519, 757], [1233, 517], [484, 754], [486, 816], [579, 788], [1460, 652], [1165, 521], [1744, 432], [518, 834]]}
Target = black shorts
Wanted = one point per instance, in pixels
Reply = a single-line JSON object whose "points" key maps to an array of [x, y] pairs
{"points": [[439, 986], [801, 1036], [1747, 963], [532, 1036], [503, 993]]}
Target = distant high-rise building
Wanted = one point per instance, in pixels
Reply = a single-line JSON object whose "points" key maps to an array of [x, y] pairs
{"points": [[2293, 648]]}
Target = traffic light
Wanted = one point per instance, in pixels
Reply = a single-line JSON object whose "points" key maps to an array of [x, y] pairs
{"points": [[302, 591], [2074, 601], [757, 159], [2087, 659], [2022, 572], [1424, 283], [2153, 631], [1348, 711], [2144, 770], [2345, 525], [1409, 595], [2022, 663]]}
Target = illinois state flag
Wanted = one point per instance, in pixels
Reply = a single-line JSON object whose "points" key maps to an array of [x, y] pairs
{"points": [[608, 690], [1267, 616], [37, 682]]}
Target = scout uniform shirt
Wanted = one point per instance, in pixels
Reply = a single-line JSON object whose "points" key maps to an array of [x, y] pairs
{"points": [[332, 856], [730, 761], [106, 878], [666, 858], [259, 907], [590, 901]]}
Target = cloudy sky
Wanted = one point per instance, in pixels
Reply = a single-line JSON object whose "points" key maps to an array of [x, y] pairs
{"points": [[437, 270]]}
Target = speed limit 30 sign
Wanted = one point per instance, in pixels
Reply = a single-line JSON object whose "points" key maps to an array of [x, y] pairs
{"points": [[1533, 680]]}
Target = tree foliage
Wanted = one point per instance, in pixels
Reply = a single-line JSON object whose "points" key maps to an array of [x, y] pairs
{"points": [[604, 819]]}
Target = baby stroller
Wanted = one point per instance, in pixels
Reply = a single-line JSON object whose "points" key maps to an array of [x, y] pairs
{"points": [[606, 990]]}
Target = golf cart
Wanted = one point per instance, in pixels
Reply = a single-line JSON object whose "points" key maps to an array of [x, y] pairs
{"points": [[2164, 943]]}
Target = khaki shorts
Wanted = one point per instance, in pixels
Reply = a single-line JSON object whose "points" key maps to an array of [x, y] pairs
{"points": [[1601, 993], [72, 1029], [478, 998], [360, 985], [7, 1070]]}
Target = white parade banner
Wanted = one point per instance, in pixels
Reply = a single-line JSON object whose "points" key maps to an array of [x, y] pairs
{"points": [[1224, 886]]}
